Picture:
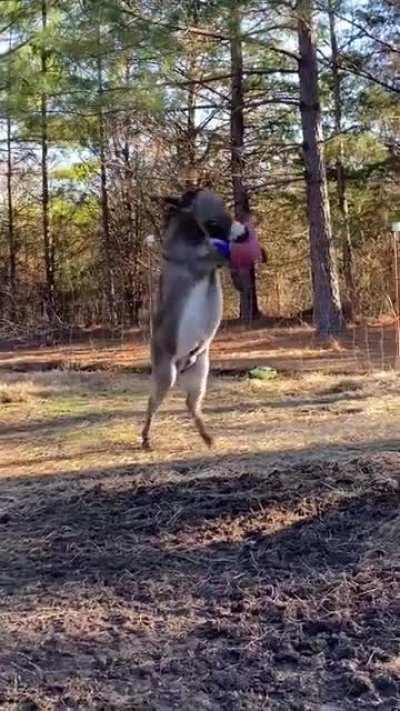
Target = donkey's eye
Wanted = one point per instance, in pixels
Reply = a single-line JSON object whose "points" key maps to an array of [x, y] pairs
{"points": [[188, 197], [213, 228]]}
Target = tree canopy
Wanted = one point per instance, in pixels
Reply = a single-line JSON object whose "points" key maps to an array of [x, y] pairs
{"points": [[107, 105]]}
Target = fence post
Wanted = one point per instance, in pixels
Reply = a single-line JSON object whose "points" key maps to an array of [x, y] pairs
{"points": [[396, 235], [150, 287]]}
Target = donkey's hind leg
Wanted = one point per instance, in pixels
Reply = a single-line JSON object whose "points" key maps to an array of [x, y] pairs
{"points": [[194, 382], [163, 378]]}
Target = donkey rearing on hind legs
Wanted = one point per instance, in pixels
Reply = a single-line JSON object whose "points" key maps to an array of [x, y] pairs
{"points": [[190, 302]]}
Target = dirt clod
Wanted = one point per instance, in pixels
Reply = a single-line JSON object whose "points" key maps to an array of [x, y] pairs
{"points": [[359, 683], [387, 685], [27, 706]]}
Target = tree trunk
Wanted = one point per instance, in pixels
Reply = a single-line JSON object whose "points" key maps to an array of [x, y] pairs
{"points": [[244, 280], [190, 147], [47, 236], [12, 274], [191, 124], [328, 318], [132, 202], [105, 208], [240, 197], [347, 248], [132, 238]]}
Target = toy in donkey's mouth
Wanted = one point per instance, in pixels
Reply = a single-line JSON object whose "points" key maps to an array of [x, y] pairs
{"points": [[222, 247], [239, 233]]}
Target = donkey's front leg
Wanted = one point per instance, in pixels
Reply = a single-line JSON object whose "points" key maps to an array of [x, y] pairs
{"points": [[163, 378], [194, 383]]}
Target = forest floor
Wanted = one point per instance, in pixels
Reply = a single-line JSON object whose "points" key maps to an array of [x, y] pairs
{"points": [[263, 574]]}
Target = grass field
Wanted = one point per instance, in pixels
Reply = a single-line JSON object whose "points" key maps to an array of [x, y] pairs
{"points": [[262, 575]]}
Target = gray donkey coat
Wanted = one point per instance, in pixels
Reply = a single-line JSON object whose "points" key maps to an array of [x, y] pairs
{"points": [[190, 303]]}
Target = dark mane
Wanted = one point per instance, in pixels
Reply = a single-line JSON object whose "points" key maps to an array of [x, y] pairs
{"points": [[174, 205]]}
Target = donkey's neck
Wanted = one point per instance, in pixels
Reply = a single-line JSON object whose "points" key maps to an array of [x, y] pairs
{"points": [[200, 315], [176, 269]]}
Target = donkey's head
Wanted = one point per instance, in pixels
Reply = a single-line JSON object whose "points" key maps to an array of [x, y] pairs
{"points": [[192, 221]]}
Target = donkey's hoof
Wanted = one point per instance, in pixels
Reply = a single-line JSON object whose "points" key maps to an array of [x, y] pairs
{"points": [[208, 440], [146, 446]]}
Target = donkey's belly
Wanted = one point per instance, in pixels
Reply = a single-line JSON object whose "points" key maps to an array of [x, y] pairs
{"points": [[200, 317]]}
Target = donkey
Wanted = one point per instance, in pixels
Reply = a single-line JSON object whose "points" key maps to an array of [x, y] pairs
{"points": [[190, 302]]}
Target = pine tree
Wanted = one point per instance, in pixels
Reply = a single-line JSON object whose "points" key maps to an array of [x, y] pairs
{"points": [[327, 307], [346, 242]]}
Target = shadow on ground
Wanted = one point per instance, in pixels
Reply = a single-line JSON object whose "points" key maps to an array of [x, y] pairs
{"points": [[137, 414], [211, 583]]}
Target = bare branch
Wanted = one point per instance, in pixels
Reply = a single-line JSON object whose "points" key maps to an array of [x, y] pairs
{"points": [[365, 32]]}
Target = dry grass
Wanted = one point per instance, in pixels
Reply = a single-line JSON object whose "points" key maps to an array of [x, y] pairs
{"points": [[262, 575], [13, 390], [87, 417]]}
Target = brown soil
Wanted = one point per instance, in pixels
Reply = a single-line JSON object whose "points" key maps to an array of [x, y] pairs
{"points": [[237, 348], [202, 585], [233, 581]]}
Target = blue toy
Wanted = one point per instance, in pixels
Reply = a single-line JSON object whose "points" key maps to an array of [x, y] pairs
{"points": [[223, 247]]}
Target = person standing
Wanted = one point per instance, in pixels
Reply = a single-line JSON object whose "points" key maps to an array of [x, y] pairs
{"points": [[245, 253]]}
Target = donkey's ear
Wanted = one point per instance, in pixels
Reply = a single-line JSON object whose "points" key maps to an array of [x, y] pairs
{"points": [[188, 197]]}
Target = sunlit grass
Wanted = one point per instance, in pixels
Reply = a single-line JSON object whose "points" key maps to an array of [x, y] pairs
{"points": [[60, 419]]}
